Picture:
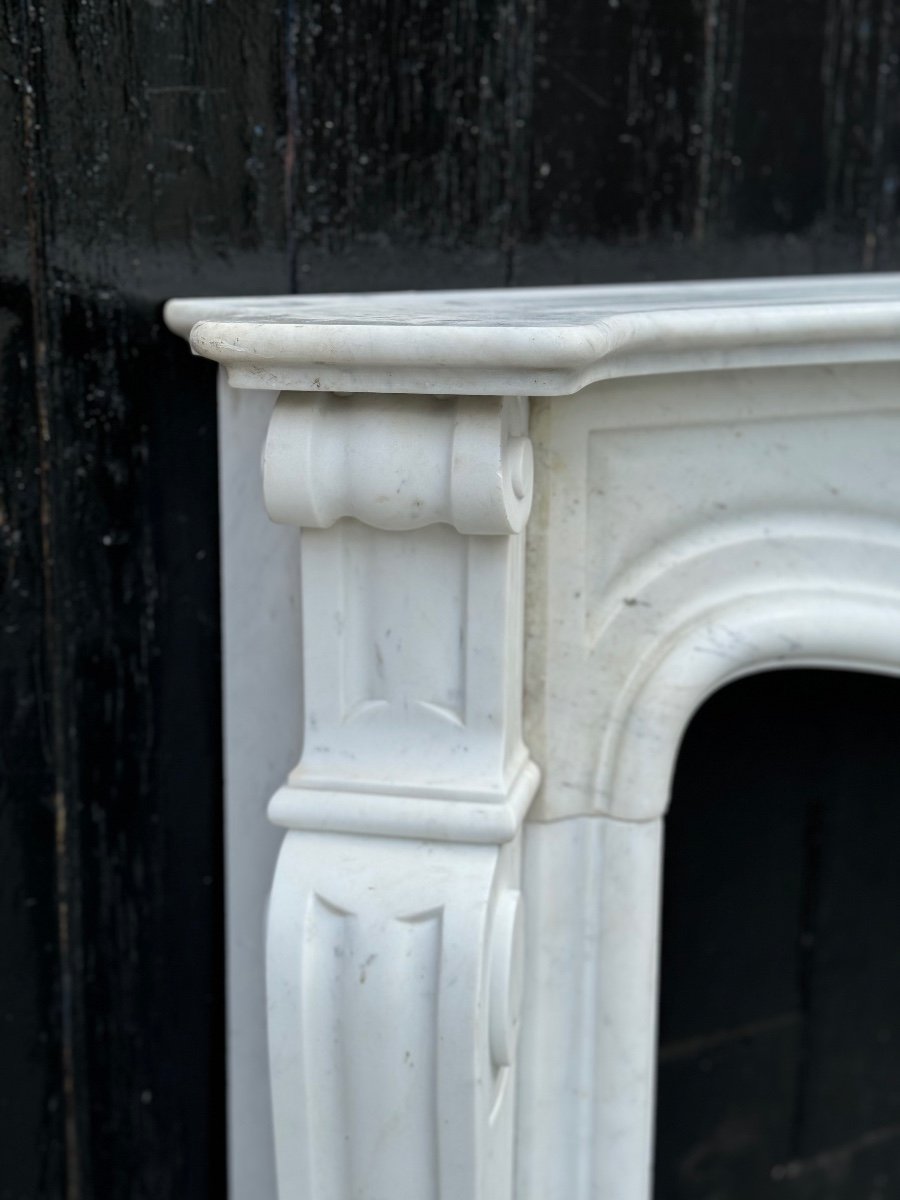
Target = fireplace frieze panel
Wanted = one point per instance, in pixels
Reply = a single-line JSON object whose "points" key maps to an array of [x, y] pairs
{"points": [[678, 510]]}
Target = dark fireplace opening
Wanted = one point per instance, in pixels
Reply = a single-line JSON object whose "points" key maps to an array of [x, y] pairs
{"points": [[779, 1049]]}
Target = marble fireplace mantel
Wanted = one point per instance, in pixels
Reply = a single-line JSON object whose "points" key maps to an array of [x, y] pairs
{"points": [[540, 526]]}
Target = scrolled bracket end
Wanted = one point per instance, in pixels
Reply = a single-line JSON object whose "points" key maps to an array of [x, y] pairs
{"points": [[399, 462]]}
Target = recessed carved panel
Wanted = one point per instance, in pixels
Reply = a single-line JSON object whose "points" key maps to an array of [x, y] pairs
{"points": [[393, 583]]}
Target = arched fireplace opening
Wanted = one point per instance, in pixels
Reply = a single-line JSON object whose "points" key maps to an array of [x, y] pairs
{"points": [[779, 1048]]}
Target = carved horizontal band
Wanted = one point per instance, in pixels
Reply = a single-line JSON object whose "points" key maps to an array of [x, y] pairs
{"points": [[433, 819], [399, 462]]}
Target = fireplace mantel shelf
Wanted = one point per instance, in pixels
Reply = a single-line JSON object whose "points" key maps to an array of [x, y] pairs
{"points": [[539, 528], [538, 341]]}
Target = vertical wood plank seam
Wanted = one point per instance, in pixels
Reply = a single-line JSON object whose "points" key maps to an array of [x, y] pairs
{"points": [[66, 899]]}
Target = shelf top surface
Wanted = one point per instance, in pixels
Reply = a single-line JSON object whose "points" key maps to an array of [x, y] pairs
{"points": [[539, 340]]}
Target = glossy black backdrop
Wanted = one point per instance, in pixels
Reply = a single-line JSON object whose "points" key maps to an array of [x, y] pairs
{"points": [[155, 148]]}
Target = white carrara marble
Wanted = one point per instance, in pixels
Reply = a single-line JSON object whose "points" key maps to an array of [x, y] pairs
{"points": [[462, 932]]}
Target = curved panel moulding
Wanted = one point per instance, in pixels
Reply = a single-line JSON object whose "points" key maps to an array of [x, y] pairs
{"points": [[554, 519]]}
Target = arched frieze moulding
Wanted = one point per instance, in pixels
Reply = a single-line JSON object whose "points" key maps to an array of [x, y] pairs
{"points": [[537, 529]]}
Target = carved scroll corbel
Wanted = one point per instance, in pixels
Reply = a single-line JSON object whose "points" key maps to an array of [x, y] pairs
{"points": [[397, 462], [395, 939]]}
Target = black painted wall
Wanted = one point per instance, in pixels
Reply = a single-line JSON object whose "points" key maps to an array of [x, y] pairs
{"points": [[151, 148]]}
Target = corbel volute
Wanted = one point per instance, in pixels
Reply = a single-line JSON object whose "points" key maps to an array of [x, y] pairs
{"points": [[395, 939], [399, 463]]}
